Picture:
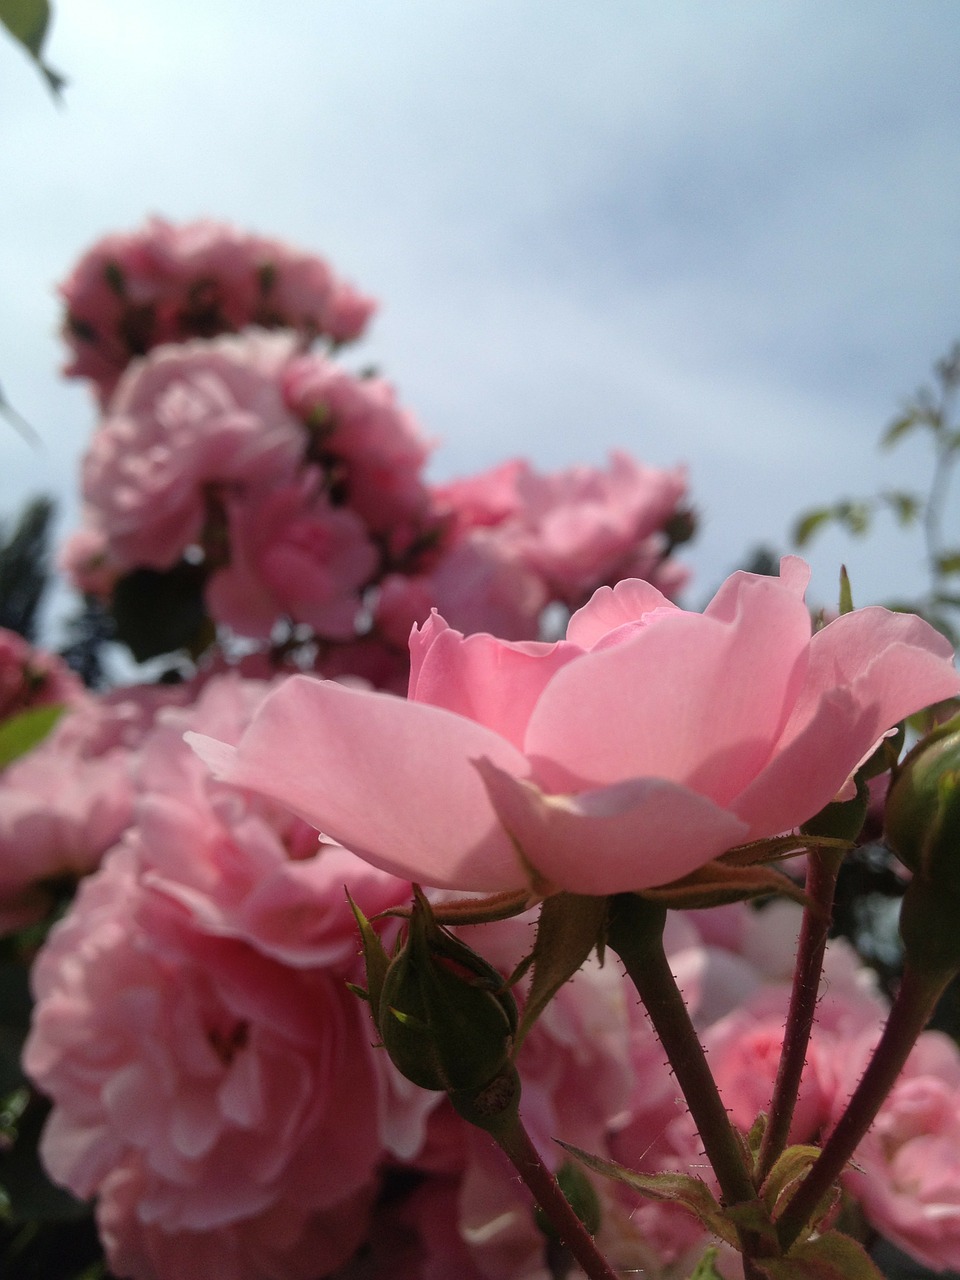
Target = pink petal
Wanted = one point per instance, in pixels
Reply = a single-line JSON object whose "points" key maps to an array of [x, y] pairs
{"points": [[611, 607], [893, 662], [805, 774], [495, 682], [694, 699], [618, 839], [388, 778]]}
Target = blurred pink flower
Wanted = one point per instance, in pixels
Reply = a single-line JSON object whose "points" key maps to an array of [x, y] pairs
{"points": [[373, 449], [166, 282], [208, 1071], [575, 529], [30, 677], [906, 1171], [292, 555], [651, 737], [65, 802], [185, 423]]}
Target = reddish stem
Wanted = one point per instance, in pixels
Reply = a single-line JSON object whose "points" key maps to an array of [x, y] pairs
{"points": [[515, 1142], [914, 1003], [823, 867]]}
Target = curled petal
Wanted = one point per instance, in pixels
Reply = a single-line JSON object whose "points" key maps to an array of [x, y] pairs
{"points": [[495, 682], [629, 836]]}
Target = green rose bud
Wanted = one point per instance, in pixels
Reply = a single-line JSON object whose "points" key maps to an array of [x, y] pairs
{"points": [[923, 809], [923, 829], [445, 1016]]}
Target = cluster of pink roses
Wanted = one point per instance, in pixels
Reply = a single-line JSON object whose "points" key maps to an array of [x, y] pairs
{"points": [[215, 1085], [214, 1082], [213, 1079], [296, 489]]}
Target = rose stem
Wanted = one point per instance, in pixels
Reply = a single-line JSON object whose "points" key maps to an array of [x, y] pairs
{"points": [[823, 866]]}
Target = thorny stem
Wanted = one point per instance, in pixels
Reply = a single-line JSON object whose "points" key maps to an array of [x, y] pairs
{"points": [[823, 867], [912, 1007], [515, 1142], [636, 935]]}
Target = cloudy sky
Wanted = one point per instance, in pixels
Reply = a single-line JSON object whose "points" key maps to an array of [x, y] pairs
{"points": [[719, 233]]}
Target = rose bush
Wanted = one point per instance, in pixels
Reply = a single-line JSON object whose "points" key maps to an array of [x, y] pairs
{"points": [[646, 743]]}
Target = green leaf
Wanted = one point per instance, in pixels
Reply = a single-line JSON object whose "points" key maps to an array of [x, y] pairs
{"points": [[949, 563], [808, 524], [674, 1188], [31, 1194], [580, 1194], [905, 506], [792, 1165], [917, 415], [27, 21], [569, 928], [855, 516], [706, 1268], [828, 1257], [21, 733]]}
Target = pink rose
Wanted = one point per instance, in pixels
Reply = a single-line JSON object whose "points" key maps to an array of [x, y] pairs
{"points": [[292, 554], [166, 282], [226, 1084], [584, 524], [64, 803], [906, 1171], [373, 448], [188, 419], [575, 529], [648, 742], [213, 1078]]}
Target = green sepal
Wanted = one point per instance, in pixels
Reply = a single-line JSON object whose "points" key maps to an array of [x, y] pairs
{"points": [[841, 819], [846, 592], [778, 847], [375, 960], [570, 927], [791, 1167], [717, 883], [750, 1217], [752, 1141], [832, 1256], [22, 732], [674, 1188], [460, 911]]}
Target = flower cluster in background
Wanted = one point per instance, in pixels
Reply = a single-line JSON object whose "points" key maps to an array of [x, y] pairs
{"points": [[260, 486]]}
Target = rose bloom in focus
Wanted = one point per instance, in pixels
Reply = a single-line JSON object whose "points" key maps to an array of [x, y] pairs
{"points": [[642, 746]]}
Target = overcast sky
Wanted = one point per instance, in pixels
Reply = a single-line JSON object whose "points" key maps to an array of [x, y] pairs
{"points": [[720, 233]]}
